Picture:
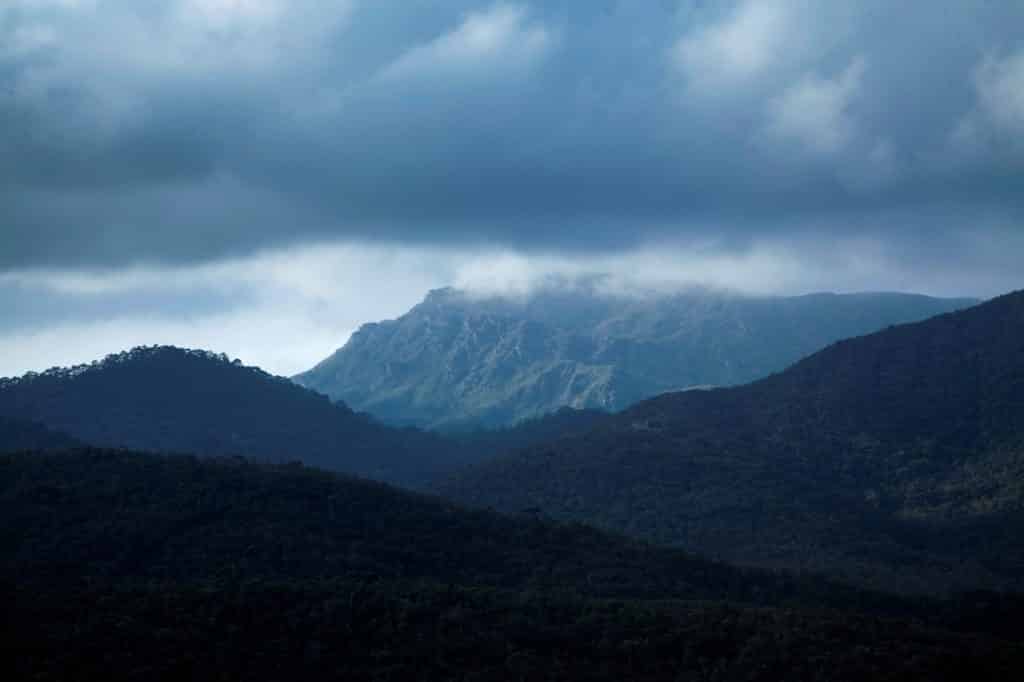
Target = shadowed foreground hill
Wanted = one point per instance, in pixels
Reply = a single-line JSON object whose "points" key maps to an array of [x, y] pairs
{"points": [[113, 514], [175, 400], [457, 360], [130, 566], [893, 460]]}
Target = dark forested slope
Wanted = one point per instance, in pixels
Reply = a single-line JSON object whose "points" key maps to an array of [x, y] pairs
{"points": [[135, 567], [18, 434], [458, 359], [494, 441], [894, 459], [121, 514], [174, 400]]}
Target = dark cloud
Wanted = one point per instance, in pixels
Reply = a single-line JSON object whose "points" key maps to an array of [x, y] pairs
{"points": [[188, 130]]}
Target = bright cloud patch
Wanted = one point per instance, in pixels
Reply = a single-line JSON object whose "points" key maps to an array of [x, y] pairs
{"points": [[744, 45], [225, 14], [815, 113], [1000, 85], [499, 36], [998, 116]]}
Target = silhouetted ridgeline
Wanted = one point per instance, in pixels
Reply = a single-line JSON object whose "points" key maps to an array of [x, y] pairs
{"points": [[175, 400], [894, 460]]}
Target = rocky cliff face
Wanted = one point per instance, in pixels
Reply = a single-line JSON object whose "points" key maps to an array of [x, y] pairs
{"points": [[456, 359]]}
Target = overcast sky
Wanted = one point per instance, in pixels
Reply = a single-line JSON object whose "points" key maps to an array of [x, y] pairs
{"points": [[260, 177]]}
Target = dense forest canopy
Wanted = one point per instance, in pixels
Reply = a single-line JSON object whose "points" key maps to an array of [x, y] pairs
{"points": [[133, 566]]}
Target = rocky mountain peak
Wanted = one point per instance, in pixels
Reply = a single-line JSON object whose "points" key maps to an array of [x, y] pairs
{"points": [[459, 357]]}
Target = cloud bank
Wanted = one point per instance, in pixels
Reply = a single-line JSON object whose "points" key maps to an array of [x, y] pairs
{"points": [[182, 131], [261, 176], [286, 310]]}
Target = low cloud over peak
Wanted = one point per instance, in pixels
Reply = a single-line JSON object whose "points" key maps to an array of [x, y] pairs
{"points": [[285, 309]]}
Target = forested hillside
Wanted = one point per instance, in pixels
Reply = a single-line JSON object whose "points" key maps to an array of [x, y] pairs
{"points": [[17, 434], [170, 399], [128, 566], [894, 460], [114, 514]]}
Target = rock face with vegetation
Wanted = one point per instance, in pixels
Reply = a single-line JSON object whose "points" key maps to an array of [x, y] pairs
{"points": [[456, 360], [893, 460]]}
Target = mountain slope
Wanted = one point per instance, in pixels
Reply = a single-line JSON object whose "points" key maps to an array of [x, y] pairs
{"points": [[893, 460], [129, 566], [456, 359], [17, 434], [173, 400], [123, 514]]}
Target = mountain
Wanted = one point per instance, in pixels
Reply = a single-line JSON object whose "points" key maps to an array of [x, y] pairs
{"points": [[129, 566], [17, 434], [92, 512], [491, 442], [169, 399], [457, 360], [893, 460]]}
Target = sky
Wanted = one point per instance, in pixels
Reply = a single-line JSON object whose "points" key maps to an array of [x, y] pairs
{"points": [[260, 177]]}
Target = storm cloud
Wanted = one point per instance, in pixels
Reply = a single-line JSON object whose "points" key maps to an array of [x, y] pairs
{"points": [[261, 176], [181, 131]]}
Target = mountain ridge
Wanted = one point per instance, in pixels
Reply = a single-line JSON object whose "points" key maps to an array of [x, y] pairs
{"points": [[456, 358], [21, 435], [169, 399], [895, 449]]}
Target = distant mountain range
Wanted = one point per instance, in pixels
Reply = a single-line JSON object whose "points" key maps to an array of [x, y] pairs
{"points": [[457, 361], [893, 460]]}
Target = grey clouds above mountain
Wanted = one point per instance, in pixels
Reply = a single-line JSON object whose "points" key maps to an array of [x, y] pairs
{"points": [[261, 176], [181, 131]]}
